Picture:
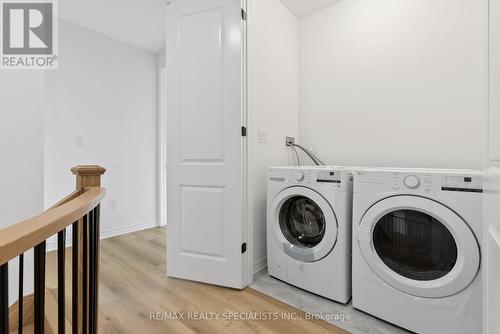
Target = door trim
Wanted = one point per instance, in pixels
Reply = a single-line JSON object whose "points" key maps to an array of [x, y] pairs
{"points": [[468, 257], [162, 148]]}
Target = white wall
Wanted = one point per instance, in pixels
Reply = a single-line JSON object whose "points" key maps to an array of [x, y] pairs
{"points": [[272, 103], [22, 97], [102, 109], [394, 83]]}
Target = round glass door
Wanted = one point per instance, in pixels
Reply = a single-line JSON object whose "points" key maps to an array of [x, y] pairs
{"points": [[418, 246], [302, 222], [415, 245]]}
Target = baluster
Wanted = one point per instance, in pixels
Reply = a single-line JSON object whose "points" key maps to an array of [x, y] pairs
{"points": [[61, 281], [85, 275], [91, 271], [39, 322], [97, 212], [4, 299], [20, 295], [75, 287]]}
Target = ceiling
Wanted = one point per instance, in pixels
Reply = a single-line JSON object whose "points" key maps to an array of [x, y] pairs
{"points": [[304, 7], [137, 22], [142, 22]]}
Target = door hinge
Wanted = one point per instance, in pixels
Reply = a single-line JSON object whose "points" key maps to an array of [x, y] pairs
{"points": [[243, 131], [243, 15], [243, 248]]}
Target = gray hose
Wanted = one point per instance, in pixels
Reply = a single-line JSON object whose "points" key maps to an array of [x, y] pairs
{"points": [[314, 158], [296, 154]]}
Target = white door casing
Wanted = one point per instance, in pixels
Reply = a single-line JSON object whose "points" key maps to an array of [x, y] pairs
{"points": [[206, 152], [468, 256], [331, 225], [162, 149], [491, 244]]}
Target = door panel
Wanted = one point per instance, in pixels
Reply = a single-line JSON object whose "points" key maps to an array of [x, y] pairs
{"points": [[202, 84], [204, 222], [205, 149]]}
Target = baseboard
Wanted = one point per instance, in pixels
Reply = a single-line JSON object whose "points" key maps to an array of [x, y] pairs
{"points": [[108, 233], [260, 265], [105, 234]]}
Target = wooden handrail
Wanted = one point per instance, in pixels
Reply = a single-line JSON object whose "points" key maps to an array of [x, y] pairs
{"points": [[81, 210], [19, 238]]}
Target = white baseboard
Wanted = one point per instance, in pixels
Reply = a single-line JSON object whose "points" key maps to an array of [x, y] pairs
{"points": [[260, 265], [107, 233]]}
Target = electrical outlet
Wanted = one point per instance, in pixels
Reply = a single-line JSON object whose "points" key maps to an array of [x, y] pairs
{"points": [[289, 141]]}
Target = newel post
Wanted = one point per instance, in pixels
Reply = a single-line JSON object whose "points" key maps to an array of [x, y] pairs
{"points": [[88, 176], [85, 254]]}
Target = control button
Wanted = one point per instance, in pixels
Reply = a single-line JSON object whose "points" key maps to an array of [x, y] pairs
{"points": [[412, 182], [299, 176]]}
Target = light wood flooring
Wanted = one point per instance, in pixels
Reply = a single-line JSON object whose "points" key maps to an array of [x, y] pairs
{"points": [[133, 284]]}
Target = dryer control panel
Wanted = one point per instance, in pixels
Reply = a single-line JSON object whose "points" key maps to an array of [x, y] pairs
{"points": [[462, 184], [421, 182]]}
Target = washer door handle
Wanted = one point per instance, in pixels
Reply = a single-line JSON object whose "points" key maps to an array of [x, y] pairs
{"points": [[363, 235]]}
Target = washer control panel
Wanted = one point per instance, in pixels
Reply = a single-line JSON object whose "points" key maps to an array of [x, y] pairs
{"points": [[318, 177], [328, 177], [462, 184]]}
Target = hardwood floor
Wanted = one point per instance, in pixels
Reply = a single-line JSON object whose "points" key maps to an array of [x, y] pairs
{"points": [[137, 297]]}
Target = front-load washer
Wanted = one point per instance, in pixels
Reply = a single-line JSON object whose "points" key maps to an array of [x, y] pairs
{"points": [[309, 229], [416, 248]]}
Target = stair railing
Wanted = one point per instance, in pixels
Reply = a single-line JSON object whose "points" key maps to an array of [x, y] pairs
{"points": [[81, 210]]}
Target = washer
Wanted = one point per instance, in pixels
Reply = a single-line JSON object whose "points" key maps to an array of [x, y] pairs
{"points": [[416, 248], [309, 229]]}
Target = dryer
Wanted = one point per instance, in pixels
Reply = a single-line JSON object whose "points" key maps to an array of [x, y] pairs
{"points": [[416, 248], [309, 229]]}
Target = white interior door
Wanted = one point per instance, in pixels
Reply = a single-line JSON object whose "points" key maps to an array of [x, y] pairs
{"points": [[492, 182], [205, 146]]}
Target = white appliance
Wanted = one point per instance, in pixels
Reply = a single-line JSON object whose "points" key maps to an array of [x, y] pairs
{"points": [[309, 229], [416, 248]]}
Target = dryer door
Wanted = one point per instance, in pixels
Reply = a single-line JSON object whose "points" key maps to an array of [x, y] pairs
{"points": [[303, 223], [419, 246]]}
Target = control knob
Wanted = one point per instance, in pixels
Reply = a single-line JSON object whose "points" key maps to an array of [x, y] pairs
{"points": [[412, 182]]}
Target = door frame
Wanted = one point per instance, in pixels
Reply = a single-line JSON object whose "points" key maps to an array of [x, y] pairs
{"points": [[247, 257], [162, 149]]}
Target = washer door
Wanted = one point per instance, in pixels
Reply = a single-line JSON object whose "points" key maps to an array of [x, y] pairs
{"points": [[303, 223], [419, 246]]}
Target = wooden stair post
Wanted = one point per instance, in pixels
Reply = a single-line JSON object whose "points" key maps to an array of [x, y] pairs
{"points": [[86, 176]]}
